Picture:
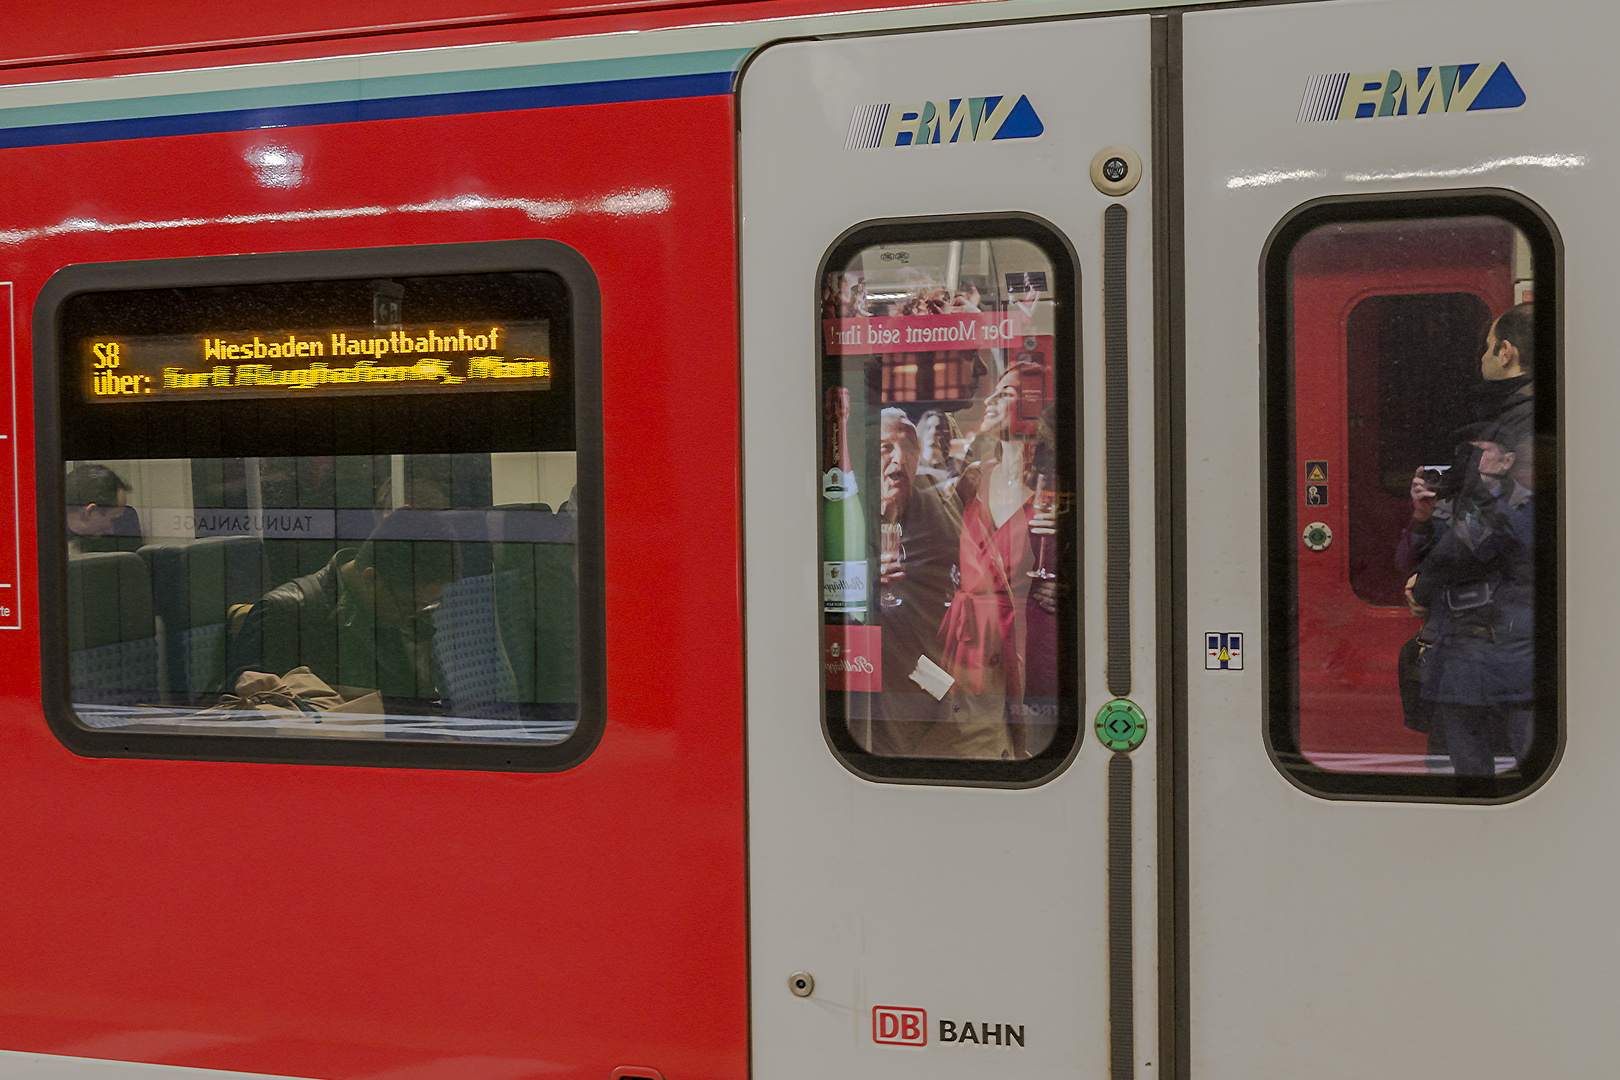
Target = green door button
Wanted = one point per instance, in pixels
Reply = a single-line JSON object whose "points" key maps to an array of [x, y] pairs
{"points": [[1121, 725]]}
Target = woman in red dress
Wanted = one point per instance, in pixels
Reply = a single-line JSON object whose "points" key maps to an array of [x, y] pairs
{"points": [[999, 634]]}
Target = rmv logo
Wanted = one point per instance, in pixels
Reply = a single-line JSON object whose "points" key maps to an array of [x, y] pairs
{"points": [[922, 123], [1449, 88]]}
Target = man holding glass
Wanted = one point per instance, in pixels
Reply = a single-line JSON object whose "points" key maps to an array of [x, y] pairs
{"points": [[921, 529]]}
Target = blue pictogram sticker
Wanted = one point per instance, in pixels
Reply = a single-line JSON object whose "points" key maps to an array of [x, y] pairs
{"points": [[1223, 652]]}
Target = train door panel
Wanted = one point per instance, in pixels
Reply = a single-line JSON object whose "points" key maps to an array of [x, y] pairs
{"points": [[1348, 872], [925, 259]]}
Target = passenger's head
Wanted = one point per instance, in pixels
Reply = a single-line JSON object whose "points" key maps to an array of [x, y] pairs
{"points": [[935, 432], [95, 497], [405, 563], [898, 450], [1510, 347]]}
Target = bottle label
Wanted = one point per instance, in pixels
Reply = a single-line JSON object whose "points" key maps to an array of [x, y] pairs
{"points": [[837, 485], [852, 658], [843, 586]]}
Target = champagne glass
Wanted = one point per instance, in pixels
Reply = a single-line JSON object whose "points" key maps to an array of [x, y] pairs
{"points": [[1045, 500], [892, 550]]}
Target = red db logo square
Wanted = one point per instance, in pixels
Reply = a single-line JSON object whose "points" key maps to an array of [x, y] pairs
{"points": [[898, 1026]]}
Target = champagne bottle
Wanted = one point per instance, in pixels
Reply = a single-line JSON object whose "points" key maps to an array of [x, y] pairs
{"points": [[844, 564]]}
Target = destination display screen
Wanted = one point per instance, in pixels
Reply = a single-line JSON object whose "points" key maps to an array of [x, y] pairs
{"points": [[325, 362]]}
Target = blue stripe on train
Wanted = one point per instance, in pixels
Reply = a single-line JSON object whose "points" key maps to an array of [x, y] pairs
{"points": [[337, 112]]}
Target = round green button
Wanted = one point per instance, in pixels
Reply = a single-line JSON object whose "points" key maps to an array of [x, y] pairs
{"points": [[1121, 725]]}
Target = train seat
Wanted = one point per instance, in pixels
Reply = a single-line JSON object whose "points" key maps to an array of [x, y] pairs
{"points": [[195, 584], [112, 639]]}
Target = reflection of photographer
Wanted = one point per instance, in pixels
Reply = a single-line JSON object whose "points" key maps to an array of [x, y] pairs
{"points": [[1418, 536], [1476, 586]]}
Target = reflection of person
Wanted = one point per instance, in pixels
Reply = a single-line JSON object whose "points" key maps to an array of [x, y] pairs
{"points": [[363, 620], [999, 637], [1477, 583], [1494, 452], [1506, 396], [844, 297], [1417, 537], [935, 432], [919, 577], [99, 517]]}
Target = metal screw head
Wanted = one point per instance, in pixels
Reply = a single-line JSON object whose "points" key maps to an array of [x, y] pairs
{"points": [[1116, 170], [802, 984]]}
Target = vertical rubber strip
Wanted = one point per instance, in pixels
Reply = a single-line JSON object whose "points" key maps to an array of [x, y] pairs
{"points": [[1170, 507], [1121, 983], [1116, 370]]}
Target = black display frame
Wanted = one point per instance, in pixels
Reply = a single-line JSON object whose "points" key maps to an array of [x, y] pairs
{"points": [[276, 429]]}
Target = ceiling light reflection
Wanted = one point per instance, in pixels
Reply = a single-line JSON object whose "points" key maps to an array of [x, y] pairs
{"points": [[275, 166], [617, 204], [1530, 161], [1275, 176]]}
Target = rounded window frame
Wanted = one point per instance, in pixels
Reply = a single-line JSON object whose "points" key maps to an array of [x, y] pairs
{"points": [[1070, 735], [1280, 525]]}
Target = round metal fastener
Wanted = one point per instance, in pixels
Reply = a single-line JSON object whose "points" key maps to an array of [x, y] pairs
{"points": [[802, 983], [1116, 170], [1121, 725], [1317, 536]]}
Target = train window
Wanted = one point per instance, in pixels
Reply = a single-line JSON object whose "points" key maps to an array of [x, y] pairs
{"points": [[1413, 348], [948, 464], [329, 518]]}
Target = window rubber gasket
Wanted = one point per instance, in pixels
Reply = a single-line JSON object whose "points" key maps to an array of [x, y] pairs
{"points": [[1280, 525], [583, 331], [1029, 772]]}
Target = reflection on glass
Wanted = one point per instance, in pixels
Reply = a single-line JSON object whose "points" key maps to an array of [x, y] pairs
{"points": [[405, 596], [940, 419], [1045, 503], [893, 558], [1414, 376]]}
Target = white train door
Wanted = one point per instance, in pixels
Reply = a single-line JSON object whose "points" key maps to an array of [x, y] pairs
{"points": [[948, 375], [1399, 273]]}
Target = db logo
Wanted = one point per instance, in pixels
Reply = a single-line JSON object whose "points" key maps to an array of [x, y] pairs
{"points": [[899, 1027]]}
